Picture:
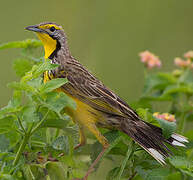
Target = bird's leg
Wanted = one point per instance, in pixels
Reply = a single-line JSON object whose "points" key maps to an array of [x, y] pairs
{"points": [[94, 163], [82, 138], [94, 130]]}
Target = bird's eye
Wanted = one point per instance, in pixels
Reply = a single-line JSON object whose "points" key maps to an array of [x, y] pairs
{"points": [[52, 29]]}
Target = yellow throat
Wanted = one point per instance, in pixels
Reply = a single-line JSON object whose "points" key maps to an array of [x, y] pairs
{"points": [[48, 43]]}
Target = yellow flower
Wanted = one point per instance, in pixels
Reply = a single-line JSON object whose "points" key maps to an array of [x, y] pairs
{"points": [[165, 116]]}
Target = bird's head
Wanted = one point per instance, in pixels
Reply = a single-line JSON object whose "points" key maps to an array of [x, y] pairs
{"points": [[51, 35]]}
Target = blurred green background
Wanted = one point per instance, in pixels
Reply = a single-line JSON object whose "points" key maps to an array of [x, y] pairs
{"points": [[106, 36]]}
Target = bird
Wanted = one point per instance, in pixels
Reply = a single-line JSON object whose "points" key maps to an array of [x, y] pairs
{"points": [[97, 105]]}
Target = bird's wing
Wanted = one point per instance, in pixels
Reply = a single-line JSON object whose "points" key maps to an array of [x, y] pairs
{"points": [[87, 88]]}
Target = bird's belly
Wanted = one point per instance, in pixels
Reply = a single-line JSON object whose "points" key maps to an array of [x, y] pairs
{"points": [[84, 114]]}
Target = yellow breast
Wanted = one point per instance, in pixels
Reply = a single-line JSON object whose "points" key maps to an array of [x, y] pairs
{"points": [[83, 113]]}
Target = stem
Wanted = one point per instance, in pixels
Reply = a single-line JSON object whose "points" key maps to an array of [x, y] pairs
{"points": [[191, 154], [128, 155], [38, 143], [26, 138], [145, 73], [29, 169], [48, 136], [182, 122], [40, 123], [21, 148], [57, 133], [21, 125], [184, 112], [20, 132]]}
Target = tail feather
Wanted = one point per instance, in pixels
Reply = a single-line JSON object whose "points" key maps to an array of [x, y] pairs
{"points": [[150, 138]]}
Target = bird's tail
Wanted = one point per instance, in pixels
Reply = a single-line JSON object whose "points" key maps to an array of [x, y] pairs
{"points": [[150, 138]]}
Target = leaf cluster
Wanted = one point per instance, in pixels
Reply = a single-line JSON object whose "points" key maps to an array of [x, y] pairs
{"points": [[37, 136]]}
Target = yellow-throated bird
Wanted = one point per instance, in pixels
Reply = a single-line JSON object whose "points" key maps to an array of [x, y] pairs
{"points": [[98, 106]]}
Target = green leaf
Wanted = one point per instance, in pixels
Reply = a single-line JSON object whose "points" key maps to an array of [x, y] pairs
{"points": [[21, 86], [16, 99], [178, 88], [189, 173], [6, 124], [39, 138], [168, 78], [186, 77], [36, 83], [61, 143], [141, 103], [52, 85], [13, 105], [60, 124], [157, 97], [28, 43], [168, 128], [181, 163], [56, 171], [37, 70], [112, 136], [113, 173], [174, 176], [146, 115], [21, 66], [29, 113], [78, 173], [4, 143], [6, 177], [56, 101], [158, 81], [45, 66], [128, 156], [28, 174], [56, 122], [141, 171], [14, 138], [158, 174], [152, 174], [120, 149], [143, 113]]}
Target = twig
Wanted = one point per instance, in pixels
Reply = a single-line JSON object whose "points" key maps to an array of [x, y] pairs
{"points": [[26, 138], [128, 155], [40, 123], [20, 150], [20, 123]]}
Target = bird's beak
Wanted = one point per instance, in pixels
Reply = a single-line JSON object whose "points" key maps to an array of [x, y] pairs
{"points": [[34, 28]]}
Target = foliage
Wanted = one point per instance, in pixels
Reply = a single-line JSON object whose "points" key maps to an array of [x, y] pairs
{"points": [[37, 137]]}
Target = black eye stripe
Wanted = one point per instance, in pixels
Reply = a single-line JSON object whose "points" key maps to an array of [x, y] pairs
{"points": [[52, 29]]}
